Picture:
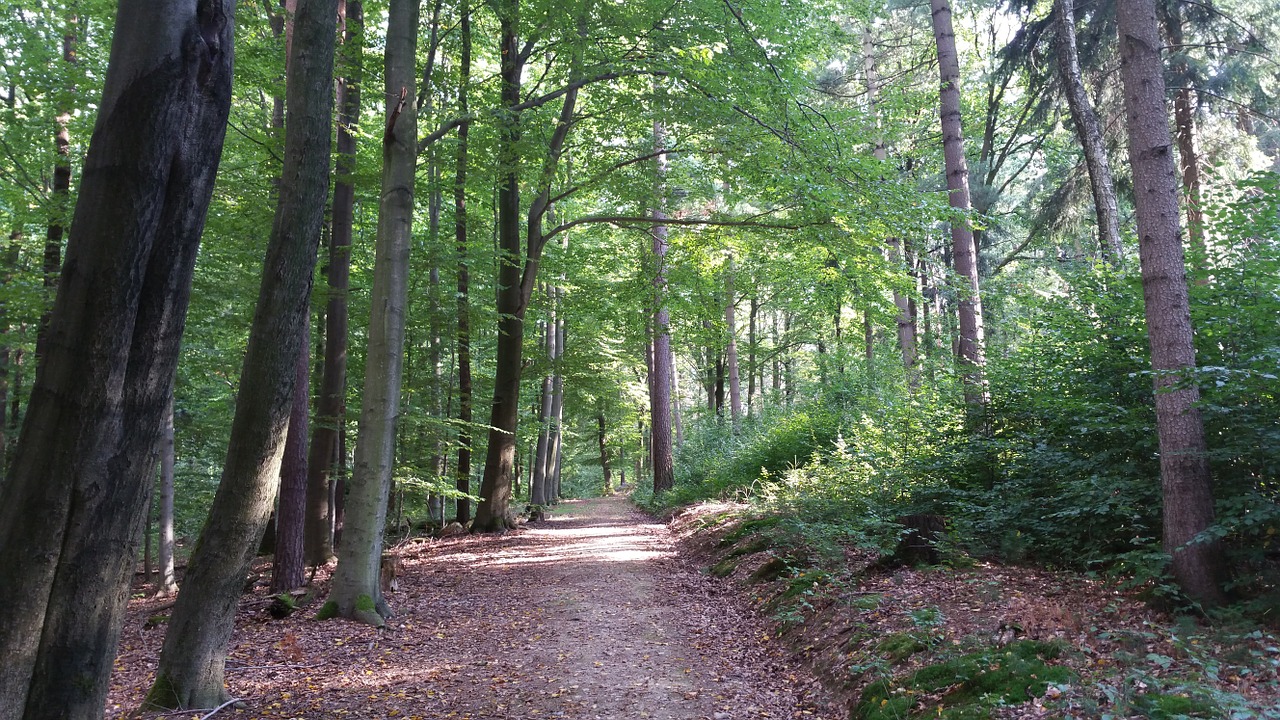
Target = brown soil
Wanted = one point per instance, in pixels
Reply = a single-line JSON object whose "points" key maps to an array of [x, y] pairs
{"points": [[590, 614]]}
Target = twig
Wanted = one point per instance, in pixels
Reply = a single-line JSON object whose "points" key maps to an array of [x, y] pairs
{"points": [[213, 712]]}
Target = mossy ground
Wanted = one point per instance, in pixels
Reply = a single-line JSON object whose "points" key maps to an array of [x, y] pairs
{"points": [[967, 686]]}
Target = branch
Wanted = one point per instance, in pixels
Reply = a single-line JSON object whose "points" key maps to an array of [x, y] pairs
{"points": [[622, 220], [609, 170]]}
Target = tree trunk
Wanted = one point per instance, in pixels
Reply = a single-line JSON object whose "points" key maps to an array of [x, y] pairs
{"points": [[735, 384], [331, 401], [1184, 466], [1184, 126], [1089, 132], [676, 417], [972, 351], [74, 502], [538, 477], [517, 273], [167, 583], [357, 591], [287, 567], [494, 512], [191, 666], [555, 440], [464, 279], [604, 453], [662, 369], [751, 352]]}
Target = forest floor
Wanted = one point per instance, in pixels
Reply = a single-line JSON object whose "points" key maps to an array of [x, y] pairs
{"points": [[592, 613]]}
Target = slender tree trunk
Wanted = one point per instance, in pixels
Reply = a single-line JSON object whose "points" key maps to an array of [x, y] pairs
{"points": [[287, 568], [555, 437], [464, 279], [676, 417], [604, 453], [74, 502], [972, 352], [538, 478], [1184, 465], [735, 385], [356, 591], [331, 401], [662, 368], [1184, 126], [191, 666], [751, 352], [167, 584], [1089, 132]]}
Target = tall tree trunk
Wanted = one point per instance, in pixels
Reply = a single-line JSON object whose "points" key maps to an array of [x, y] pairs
{"points": [[1089, 132], [463, 471], [191, 667], [287, 567], [74, 502], [730, 322], [676, 417], [517, 272], [167, 583], [494, 512], [972, 352], [663, 370], [331, 401], [538, 477], [1184, 465], [555, 437], [356, 591]]}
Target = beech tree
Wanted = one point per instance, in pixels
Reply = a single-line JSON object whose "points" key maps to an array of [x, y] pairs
{"points": [[192, 661], [357, 591], [73, 505]]}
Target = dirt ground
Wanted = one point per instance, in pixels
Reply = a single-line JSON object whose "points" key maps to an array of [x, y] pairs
{"points": [[590, 614]]}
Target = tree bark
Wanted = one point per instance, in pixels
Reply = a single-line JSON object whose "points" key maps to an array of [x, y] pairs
{"points": [[73, 506], [287, 566], [604, 453], [538, 476], [972, 351], [1184, 466], [331, 401], [357, 590], [463, 483], [1089, 132], [191, 666], [555, 440], [662, 373]]}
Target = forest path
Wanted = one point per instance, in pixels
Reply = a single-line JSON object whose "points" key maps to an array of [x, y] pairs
{"points": [[589, 614]]}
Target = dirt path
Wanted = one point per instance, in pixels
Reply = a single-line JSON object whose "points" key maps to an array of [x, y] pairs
{"points": [[590, 614]]}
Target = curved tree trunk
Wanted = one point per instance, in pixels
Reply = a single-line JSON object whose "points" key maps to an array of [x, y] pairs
{"points": [[73, 505], [972, 351], [1089, 132], [191, 667], [356, 591], [331, 401], [1184, 465]]}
